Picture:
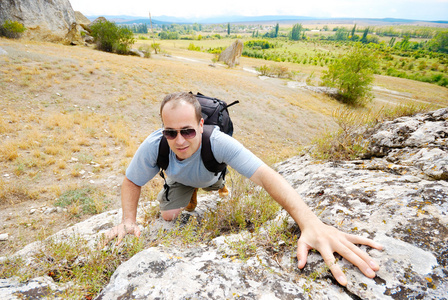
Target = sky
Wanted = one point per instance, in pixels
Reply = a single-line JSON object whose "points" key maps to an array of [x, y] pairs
{"points": [[430, 10]]}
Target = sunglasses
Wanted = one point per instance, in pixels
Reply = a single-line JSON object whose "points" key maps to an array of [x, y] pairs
{"points": [[187, 133]]}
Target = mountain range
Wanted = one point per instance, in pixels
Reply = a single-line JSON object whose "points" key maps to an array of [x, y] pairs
{"points": [[124, 19]]}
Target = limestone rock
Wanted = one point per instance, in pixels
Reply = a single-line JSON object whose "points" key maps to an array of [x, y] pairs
{"points": [[419, 143], [392, 199], [232, 54], [48, 20]]}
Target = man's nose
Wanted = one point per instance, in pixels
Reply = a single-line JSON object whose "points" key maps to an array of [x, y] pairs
{"points": [[179, 139]]}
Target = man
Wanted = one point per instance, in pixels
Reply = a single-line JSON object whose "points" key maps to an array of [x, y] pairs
{"points": [[183, 128]]}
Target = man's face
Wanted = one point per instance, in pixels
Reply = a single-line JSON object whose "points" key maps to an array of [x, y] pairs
{"points": [[182, 116]]}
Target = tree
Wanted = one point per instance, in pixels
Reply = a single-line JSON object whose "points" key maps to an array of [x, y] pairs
{"points": [[295, 32], [353, 32], [352, 75], [440, 42], [364, 35], [341, 35], [277, 27], [228, 28], [111, 38]]}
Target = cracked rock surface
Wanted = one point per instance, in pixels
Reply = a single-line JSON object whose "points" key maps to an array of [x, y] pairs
{"points": [[398, 197]]}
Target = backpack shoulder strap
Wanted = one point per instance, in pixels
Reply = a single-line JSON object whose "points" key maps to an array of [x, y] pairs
{"points": [[206, 152], [163, 159]]}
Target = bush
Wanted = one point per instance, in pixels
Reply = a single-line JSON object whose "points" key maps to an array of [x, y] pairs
{"points": [[352, 75], [192, 47], [111, 38], [12, 29], [259, 44]]}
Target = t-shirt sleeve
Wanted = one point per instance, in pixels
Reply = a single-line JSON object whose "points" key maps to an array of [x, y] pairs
{"points": [[143, 166], [228, 150]]}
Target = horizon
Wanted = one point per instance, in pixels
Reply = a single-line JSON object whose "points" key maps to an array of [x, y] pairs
{"points": [[429, 10]]}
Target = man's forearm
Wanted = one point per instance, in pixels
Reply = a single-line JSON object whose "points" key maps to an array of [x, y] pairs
{"points": [[130, 193], [282, 192]]}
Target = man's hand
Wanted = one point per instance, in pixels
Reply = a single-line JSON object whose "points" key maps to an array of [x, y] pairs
{"points": [[130, 192], [120, 231], [328, 240]]}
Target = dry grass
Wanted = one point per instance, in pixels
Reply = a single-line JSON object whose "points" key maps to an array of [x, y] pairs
{"points": [[72, 116]]}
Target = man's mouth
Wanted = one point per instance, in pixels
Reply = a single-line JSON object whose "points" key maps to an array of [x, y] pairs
{"points": [[182, 148]]}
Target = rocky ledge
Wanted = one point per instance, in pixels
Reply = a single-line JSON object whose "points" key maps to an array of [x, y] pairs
{"points": [[398, 197]]}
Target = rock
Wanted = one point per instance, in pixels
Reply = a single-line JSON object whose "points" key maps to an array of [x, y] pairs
{"points": [[4, 237], [82, 20], [394, 199], [44, 20], [232, 54], [419, 143], [36, 288], [136, 52]]}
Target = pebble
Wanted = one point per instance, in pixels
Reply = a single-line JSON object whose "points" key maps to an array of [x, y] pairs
{"points": [[4, 237], [50, 210]]}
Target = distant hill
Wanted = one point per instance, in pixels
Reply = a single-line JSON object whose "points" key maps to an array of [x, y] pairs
{"points": [[123, 19]]}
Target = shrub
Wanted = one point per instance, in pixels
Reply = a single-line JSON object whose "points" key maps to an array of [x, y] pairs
{"points": [[146, 49], [12, 29], [352, 75], [81, 201], [259, 44], [349, 141], [192, 47], [111, 38]]}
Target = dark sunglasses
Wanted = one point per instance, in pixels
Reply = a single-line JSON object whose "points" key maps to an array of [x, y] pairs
{"points": [[171, 134]]}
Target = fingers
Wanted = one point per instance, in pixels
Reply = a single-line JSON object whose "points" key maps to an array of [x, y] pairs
{"points": [[302, 254], [137, 231], [124, 229], [364, 241], [334, 241], [120, 231], [359, 258], [120, 235], [330, 261]]}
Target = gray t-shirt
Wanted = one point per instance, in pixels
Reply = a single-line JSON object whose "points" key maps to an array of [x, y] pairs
{"points": [[191, 171]]}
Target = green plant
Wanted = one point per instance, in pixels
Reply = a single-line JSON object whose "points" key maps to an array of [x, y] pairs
{"points": [[192, 47], [111, 38], [12, 29], [352, 75], [82, 201], [348, 142], [72, 260], [156, 47], [146, 49]]}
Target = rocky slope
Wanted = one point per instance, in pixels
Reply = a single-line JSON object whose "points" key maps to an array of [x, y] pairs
{"points": [[398, 197], [47, 20]]}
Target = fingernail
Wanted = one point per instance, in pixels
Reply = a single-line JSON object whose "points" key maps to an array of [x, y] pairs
{"points": [[341, 279], [370, 273], [373, 265]]}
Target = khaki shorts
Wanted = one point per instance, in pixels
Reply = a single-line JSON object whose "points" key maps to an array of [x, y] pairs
{"points": [[179, 195]]}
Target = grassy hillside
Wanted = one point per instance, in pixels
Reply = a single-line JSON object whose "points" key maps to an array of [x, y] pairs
{"points": [[72, 117]]}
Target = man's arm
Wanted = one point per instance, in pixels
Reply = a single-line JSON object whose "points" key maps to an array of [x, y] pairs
{"points": [[315, 234], [130, 193]]}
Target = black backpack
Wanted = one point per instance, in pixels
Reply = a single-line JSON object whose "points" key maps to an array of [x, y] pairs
{"points": [[214, 112]]}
